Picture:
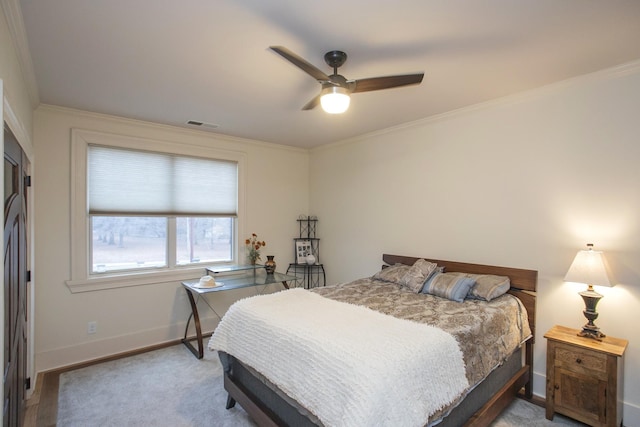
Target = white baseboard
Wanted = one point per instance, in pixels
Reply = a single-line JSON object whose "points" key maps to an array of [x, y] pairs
{"points": [[630, 415], [539, 385], [99, 349]]}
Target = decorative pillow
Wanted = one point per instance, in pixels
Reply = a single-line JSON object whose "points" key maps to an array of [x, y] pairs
{"points": [[487, 286], [393, 273], [452, 286], [411, 277], [427, 267], [419, 272]]}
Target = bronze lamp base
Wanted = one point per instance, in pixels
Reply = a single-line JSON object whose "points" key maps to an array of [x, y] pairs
{"points": [[590, 330]]}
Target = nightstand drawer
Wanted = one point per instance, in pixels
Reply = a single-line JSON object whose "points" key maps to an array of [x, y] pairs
{"points": [[573, 358]]}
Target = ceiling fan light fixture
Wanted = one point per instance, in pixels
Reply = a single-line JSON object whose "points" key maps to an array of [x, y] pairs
{"points": [[335, 95], [335, 99]]}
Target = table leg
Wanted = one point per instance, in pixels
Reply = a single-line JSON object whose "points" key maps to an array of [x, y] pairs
{"points": [[285, 284], [199, 353]]}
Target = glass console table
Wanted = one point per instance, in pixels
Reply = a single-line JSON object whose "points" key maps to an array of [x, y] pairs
{"points": [[239, 276]]}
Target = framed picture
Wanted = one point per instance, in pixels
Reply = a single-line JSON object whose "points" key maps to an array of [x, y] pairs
{"points": [[303, 248]]}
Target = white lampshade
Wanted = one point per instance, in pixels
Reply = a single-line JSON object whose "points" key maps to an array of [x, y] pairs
{"points": [[589, 268], [335, 99]]}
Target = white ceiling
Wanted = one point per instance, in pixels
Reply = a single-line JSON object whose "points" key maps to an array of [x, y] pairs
{"points": [[208, 60]]}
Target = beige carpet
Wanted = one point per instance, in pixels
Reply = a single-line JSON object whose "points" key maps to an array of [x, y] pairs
{"points": [[170, 387]]}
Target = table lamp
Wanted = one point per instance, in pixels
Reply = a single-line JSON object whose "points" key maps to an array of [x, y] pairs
{"points": [[588, 267]]}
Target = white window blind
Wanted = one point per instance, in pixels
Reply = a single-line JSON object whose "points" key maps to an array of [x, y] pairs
{"points": [[123, 181]]}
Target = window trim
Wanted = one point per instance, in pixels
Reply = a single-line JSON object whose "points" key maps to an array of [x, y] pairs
{"points": [[81, 279]]}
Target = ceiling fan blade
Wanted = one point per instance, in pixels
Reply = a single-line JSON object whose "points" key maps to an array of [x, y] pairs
{"points": [[312, 104], [299, 62], [378, 83]]}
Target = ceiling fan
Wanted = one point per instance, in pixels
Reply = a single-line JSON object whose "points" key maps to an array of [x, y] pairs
{"points": [[336, 89]]}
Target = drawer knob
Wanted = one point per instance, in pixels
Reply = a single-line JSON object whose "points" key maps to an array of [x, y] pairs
{"points": [[578, 360], [557, 387]]}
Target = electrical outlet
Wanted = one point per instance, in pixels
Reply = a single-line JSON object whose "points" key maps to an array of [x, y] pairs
{"points": [[92, 327]]}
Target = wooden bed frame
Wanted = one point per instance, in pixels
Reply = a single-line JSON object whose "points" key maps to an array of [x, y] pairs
{"points": [[523, 286]]}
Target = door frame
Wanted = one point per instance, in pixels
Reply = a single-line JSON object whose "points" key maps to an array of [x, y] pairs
{"points": [[8, 115]]}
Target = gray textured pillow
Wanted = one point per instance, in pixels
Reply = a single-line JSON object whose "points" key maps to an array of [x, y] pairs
{"points": [[487, 286], [417, 274], [452, 286], [427, 267], [392, 274]]}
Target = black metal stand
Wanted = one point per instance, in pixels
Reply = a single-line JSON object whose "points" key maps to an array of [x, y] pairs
{"points": [[312, 275]]}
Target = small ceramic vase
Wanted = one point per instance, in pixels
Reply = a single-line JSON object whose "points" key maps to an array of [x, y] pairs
{"points": [[270, 264]]}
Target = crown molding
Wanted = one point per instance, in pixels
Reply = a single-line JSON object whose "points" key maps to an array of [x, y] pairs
{"points": [[15, 22], [615, 72], [177, 130], [610, 73]]}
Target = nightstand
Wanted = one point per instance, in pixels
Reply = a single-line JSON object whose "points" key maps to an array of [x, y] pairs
{"points": [[584, 377]]}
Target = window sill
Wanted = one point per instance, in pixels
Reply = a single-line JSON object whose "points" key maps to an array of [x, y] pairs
{"points": [[125, 280]]}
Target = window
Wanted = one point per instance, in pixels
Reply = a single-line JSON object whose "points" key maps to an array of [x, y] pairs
{"points": [[128, 243], [120, 243], [143, 206], [204, 240], [150, 210]]}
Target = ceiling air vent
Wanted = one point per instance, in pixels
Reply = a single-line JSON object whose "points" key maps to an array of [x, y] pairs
{"points": [[202, 124]]}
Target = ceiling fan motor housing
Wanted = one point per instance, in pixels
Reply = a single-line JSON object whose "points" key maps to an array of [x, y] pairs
{"points": [[336, 80], [335, 59]]}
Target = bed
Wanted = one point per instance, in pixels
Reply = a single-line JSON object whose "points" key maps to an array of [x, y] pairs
{"points": [[287, 362]]}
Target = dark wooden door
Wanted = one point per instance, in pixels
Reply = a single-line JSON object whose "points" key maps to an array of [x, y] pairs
{"points": [[15, 283]]}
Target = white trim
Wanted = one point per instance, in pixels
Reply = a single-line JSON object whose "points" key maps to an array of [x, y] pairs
{"points": [[81, 280], [630, 414], [18, 129], [113, 281], [175, 130], [15, 22], [23, 137]]}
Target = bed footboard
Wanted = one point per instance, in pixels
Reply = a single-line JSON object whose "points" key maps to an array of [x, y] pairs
{"points": [[258, 412], [262, 400], [268, 406], [485, 415]]}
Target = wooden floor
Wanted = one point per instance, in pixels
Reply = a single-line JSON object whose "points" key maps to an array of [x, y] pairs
{"points": [[42, 407]]}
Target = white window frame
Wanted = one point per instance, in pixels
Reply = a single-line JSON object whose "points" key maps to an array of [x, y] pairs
{"points": [[81, 278]]}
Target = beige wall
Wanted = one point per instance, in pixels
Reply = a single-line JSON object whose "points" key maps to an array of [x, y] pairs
{"points": [[525, 182], [138, 316]]}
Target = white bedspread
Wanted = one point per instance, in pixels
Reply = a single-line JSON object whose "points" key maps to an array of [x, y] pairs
{"points": [[347, 364]]}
